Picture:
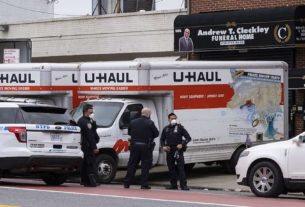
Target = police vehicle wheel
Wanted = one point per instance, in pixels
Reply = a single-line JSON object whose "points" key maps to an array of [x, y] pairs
{"points": [[266, 179], [54, 179], [106, 168]]}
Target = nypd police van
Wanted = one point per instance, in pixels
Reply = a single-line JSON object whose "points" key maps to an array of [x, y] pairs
{"points": [[38, 139]]}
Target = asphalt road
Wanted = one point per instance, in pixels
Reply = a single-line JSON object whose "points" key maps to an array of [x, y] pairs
{"points": [[29, 193], [30, 198]]}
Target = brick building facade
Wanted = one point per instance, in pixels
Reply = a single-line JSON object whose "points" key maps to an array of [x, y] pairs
{"points": [[197, 6], [295, 56]]}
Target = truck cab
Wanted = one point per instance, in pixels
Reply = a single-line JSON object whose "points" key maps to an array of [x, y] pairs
{"points": [[113, 116]]}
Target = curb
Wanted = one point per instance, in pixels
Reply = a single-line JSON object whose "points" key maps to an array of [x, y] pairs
{"points": [[196, 187]]}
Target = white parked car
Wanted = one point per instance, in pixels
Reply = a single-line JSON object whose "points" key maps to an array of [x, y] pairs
{"points": [[38, 139], [275, 168]]}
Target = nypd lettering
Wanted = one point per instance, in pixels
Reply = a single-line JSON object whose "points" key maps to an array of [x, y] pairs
{"points": [[42, 126], [71, 128]]}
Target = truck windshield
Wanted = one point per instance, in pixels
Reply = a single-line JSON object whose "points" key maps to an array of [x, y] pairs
{"points": [[104, 112]]}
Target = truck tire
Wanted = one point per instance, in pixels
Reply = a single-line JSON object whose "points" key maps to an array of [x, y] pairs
{"points": [[229, 165], [266, 179], [188, 167], [54, 179], [106, 168]]}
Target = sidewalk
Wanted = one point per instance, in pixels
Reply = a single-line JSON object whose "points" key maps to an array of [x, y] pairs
{"points": [[201, 177]]}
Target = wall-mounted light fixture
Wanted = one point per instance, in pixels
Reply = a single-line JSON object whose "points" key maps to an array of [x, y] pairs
{"points": [[4, 28]]}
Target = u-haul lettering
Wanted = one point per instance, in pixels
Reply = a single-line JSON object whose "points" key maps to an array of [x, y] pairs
{"points": [[18, 79], [190, 77], [208, 76], [108, 78]]}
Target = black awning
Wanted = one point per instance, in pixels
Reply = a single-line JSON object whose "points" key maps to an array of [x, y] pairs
{"points": [[240, 16], [244, 29]]}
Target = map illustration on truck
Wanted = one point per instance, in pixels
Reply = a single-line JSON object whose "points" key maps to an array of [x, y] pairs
{"points": [[258, 101]]}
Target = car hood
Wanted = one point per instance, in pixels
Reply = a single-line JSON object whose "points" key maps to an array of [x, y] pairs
{"points": [[269, 146]]}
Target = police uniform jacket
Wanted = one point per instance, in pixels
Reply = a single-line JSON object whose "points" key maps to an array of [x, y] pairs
{"points": [[89, 137], [172, 135], [142, 130]]}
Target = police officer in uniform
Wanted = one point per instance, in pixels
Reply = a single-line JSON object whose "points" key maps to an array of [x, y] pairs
{"points": [[174, 145], [89, 139], [142, 131]]}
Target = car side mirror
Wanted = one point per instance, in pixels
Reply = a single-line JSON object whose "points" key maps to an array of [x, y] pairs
{"points": [[73, 123], [125, 120], [301, 139]]}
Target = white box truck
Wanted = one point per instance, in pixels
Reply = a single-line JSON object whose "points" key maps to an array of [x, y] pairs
{"points": [[226, 106]]}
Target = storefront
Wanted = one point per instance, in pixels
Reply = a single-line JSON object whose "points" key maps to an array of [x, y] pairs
{"points": [[253, 34]]}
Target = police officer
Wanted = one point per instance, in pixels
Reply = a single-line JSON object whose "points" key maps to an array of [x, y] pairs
{"points": [[89, 139], [173, 144], [142, 131]]}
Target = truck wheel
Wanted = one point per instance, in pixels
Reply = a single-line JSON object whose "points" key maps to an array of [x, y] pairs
{"points": [[231, 164], [54, 179], [266, 179], [188, 167], [106, 168]]}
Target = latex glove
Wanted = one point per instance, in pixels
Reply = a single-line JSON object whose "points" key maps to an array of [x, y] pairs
{"points": [[166, 148]]}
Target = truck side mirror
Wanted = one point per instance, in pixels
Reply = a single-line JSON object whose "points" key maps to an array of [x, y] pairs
{"points": [[125, 120]]}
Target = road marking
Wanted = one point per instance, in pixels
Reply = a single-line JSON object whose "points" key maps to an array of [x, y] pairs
{"points": [[127, 197], [7, 206]]}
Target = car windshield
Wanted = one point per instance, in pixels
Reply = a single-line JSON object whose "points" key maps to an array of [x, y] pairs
{"points": [[45, 115], [104, 112]]}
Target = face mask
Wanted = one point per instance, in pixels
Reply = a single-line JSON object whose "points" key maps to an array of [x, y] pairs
{"points": [[91, 115], [173, 121]]}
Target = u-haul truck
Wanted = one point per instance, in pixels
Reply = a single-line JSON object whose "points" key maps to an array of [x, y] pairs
{"points": [[49, 83], [225, 106]]}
